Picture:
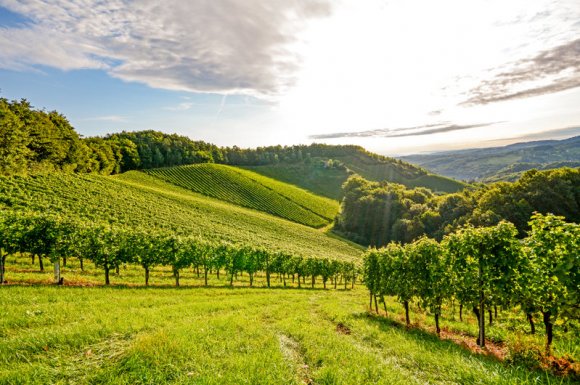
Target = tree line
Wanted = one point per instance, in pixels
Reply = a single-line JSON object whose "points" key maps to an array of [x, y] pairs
{"points": [[483, 268], [54, 238], [376, 213], [34, 140]]}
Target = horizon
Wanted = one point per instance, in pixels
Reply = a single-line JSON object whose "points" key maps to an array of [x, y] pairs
{"points": [[396, 79]]}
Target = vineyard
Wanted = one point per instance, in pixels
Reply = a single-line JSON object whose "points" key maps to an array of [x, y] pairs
{"points": [[137, 201], [252, 190], [325, 181], [483, 269], [58, 239]]}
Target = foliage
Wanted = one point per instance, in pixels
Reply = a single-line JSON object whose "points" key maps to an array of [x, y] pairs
{"points": [[377, 213], [550, 281], [485, 267], [109, 247]]}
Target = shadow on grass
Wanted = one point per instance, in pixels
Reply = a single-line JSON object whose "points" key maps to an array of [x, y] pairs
{"points": [[433, 343]]}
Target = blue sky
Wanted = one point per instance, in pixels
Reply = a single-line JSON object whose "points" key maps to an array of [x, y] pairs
{"points": [[395, 77]]}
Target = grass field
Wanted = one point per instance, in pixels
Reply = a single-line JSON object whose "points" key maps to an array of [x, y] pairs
{"points": [[123, 335], [249, 189], [84, 332], [137, 200]]}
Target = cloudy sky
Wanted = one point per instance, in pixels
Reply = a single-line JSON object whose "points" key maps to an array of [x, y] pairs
{"points": [[394, 76]]}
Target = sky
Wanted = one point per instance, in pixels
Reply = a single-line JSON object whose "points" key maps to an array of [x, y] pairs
{"points": [[397, 77]]}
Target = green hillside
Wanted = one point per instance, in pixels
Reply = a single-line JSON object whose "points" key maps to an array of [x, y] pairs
{"points": [[313, 177], [325, 176], [249, 189], [380, 169], [138, 200]]}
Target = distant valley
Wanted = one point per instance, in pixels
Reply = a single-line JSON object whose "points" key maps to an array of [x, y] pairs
{"points": [[501, 163]]}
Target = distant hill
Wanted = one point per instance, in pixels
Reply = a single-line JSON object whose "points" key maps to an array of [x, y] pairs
{"points": [[324, 172], [501, 163], [252, 190]]}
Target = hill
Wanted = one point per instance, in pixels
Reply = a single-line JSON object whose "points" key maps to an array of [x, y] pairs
{"points": [[138, 200], [326, 173], [252, 190], [38, 141], [501, 163]]}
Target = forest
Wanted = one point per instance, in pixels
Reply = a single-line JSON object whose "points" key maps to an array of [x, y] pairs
{"points": [[376, 213]]}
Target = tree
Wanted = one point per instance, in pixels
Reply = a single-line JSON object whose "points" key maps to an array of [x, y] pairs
{"points": [[402, 282], [14, 139], [60, 242], [173, 253], [103, 246], [11, 234], [432, 275], [551, 280], [486, 261], [148, 250], [253, 262], [372, 275]]}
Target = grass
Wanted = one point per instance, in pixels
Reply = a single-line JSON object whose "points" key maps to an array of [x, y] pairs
{"points": [[128, 334], [328, 181], [136, 200], [313, 177], [250, 189], [122, 335]]}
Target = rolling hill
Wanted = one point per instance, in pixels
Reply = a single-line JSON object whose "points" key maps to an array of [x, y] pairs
{"points": [[501, 163], [324, 175], [138, 200], [252, 190]]}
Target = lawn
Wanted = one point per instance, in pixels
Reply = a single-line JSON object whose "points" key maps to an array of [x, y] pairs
{"points": [[157, 335]]}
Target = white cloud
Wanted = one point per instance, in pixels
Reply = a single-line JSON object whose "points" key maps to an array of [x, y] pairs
{"points": [[224, 46]]}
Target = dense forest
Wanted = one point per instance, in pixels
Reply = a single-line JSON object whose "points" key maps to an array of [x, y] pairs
{"points": [[376, 213], [33, 140]]}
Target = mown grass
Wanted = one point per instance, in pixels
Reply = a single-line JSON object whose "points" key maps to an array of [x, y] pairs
{"points": [[250, 189], [131, 324], [126, 335]]}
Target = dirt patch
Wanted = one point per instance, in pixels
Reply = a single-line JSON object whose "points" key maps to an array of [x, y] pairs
{"points": [[291, 351], [342, 329], [563, 366], [492, 349]]}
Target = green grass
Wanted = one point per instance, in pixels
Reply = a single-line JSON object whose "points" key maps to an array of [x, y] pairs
{"points": [[322, 181], [137, 200], [122, 335], [126, 334], [328, 182], [250, 189]]}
